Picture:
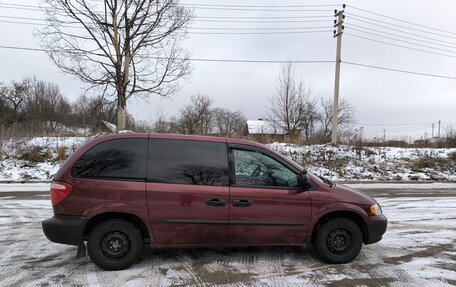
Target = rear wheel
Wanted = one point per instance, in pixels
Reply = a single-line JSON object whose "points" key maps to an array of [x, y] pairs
{"points": [[115, 244], [338, 241]]}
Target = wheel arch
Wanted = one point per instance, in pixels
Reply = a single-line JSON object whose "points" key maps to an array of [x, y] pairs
{"points": [[102, 217], [351, 215]]}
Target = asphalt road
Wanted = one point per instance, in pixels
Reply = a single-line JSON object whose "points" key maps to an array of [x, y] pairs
{"points": [[417, 250]]}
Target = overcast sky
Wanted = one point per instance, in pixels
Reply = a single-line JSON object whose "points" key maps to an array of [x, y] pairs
{"points": [[403, 104]]}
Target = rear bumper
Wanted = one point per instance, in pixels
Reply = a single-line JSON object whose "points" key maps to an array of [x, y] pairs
{"points": [[65, 229], [376, 227]]}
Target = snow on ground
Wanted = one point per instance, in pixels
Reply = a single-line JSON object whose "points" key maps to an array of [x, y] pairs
{"points": [[418, 249], [338, 163], [12, 168], [395, 185], [373, 163]]}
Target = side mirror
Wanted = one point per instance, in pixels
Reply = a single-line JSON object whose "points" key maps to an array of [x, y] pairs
{"points": [[306, 183]]}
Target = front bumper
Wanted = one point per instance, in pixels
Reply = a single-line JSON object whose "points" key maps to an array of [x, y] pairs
{"points": [[376, 227], [65, 229]]}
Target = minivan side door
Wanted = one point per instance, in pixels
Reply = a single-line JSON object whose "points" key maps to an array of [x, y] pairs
{"points": [[187, 192], [268, 206]]}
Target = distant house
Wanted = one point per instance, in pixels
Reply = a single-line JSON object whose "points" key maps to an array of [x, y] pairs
{"points": [[264, 127], [265, 131]]}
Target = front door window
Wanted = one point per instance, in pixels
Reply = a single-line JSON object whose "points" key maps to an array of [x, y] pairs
{"points": [[257, 169]]}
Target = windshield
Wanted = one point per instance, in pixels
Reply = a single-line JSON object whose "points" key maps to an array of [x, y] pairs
{"points": [[322, 179]]}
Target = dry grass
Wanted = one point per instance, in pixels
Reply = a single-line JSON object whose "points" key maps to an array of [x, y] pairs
{"points": [[35, 154], [61, 154], [452, 155]]}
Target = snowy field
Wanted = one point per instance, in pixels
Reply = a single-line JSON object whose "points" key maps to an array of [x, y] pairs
{"points": [[418, 249], [374, 163], [337, 163]]}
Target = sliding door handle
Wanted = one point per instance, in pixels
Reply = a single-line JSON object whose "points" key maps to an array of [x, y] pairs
{"points": [[242, 203]]}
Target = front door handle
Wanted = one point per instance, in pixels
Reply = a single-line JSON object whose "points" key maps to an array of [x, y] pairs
{"points": [[215, 202], [242, 203]]}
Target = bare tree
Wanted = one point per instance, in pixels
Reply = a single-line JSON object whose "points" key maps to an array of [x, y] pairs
{"points": [[161, 124], [228, 122], [91, 111], [450, 135], [292, 107], [45, 103], [12, 102], [346, 116], [197, 117], [127, 47]]}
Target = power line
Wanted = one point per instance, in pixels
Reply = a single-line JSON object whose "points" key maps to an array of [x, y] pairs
{"points": [[258, 28], [368, 29], [397, 45], [20, 8], [266, 61], [202, 20], [260, 33], [395, 25], [403, 41], [37, 24], [258, 10], [400, 31], [260, 21], [197, 59], [198, 6], [264, 17], [386, 27], [396, 124], [197, 30], [403, 21], [38, 8], [399, 70], [263, 6]]}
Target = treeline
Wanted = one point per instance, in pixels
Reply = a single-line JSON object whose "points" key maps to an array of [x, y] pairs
{"points": [[34, 107], [200, 117]]}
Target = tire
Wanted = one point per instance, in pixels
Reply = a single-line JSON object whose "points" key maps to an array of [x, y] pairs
{"points": [[338, 241], [115, 244]]}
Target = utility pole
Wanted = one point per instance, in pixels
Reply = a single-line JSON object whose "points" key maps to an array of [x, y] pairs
{"points": [[384, 135], [438, 133], [337, 34], [432, 130]]}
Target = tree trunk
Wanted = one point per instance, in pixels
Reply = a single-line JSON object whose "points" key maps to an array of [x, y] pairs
{"points": [[121, 118]]}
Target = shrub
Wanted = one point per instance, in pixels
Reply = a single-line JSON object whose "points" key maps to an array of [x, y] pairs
{"points": [[35, 154], [421, 163], [61, 153], [452, 155], [414, 177]]}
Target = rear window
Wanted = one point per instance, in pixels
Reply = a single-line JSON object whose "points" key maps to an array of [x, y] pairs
{"points": [[188, 162], [114, 159]]}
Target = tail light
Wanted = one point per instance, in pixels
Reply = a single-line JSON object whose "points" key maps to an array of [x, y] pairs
{"points": [[59, 191]]}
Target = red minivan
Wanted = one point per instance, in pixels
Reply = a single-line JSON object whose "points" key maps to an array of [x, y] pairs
{"points": [[118, 192]]}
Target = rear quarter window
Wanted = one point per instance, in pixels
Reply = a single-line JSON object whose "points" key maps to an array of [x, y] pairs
{"points": [[114, 159]]}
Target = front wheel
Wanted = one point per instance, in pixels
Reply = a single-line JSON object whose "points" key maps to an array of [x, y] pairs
{"points": [[338, 241], [115, 244]]}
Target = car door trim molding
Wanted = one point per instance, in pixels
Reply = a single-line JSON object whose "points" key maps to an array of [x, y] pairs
{"points": [[187, 221], [267, 223], [232, 222]]}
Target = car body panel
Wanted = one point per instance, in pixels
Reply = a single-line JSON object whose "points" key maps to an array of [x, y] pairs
{"points": [[180, 216], [276, 217]]}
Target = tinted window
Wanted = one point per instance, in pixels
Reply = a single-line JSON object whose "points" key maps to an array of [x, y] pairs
{"points": [[188, 162], [257, 169], [120, 158]]}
